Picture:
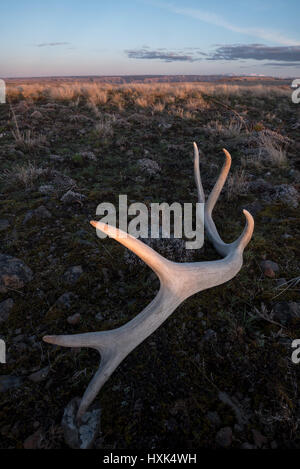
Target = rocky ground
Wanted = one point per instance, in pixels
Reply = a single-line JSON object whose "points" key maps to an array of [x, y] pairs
{"points": [[218, 373]]}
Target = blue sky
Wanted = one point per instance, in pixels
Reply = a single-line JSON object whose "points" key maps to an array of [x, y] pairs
{"points": [[124, 37]]}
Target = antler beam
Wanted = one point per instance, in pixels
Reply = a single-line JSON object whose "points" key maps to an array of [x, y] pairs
{"points": [[177, 283]]}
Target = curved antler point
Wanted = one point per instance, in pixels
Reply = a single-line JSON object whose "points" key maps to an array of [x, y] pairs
{"points": [[228, 155], [249, 217]]}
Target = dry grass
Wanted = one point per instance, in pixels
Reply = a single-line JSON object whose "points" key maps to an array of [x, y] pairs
{"points": [[237, 184], [272, 144], [25, 175], [27, 141], [104, 127], [158, 107], [232, 129], [144, 95], [270, 149]]}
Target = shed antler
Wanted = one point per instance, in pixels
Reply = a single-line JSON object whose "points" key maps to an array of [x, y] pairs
{"points": [[177, 283]]}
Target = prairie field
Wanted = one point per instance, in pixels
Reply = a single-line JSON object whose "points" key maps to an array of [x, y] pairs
{"points": [[220, 366]]}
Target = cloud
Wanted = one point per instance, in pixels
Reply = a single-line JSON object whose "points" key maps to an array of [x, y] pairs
{"points": [[284, 64], [256, 52], [52, 44], [160, 54], [217, 20]]}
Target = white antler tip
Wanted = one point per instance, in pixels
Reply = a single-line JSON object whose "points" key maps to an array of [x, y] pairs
{"points": [[98, 225], [49, 339], [111, 231]]}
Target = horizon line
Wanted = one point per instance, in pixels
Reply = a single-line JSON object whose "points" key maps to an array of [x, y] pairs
{"points": [[229, 75]]}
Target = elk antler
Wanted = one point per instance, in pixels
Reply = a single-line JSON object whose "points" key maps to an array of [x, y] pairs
{"points": [[177, 283]]}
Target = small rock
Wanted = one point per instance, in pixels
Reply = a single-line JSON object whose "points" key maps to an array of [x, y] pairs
{"points": [[269, 268], [50, 106], [224, 437], [34, 441], [5, 308], [4, 224], [214, 418], [40, 375], [269, 265], [74, 320], [84, 434], [71, 197], [285, 312], [73, 274], [57, 158], [149, 166], [40, 212], [14, 274], [99, 317], [259, 439], [47, 189], [66, 300], [286, 194], [36, 115], [280, 282], [62, 181], [238, 428], [19, 338], [232, 402], [268, 272], [260, 186], [9, 382], [28, 216], [209, 335], [165, 125], [247, 446]]}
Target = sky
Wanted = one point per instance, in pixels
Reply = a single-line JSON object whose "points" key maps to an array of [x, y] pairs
{"points": [[149, 37]]}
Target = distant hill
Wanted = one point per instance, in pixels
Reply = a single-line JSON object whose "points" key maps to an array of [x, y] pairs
{"points": [[159, 79]]}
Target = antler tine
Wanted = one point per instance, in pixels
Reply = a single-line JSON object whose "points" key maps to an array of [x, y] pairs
{"points": [[246, 236], [201, 195], [214, 195], [90, 339], [222, 248]]}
